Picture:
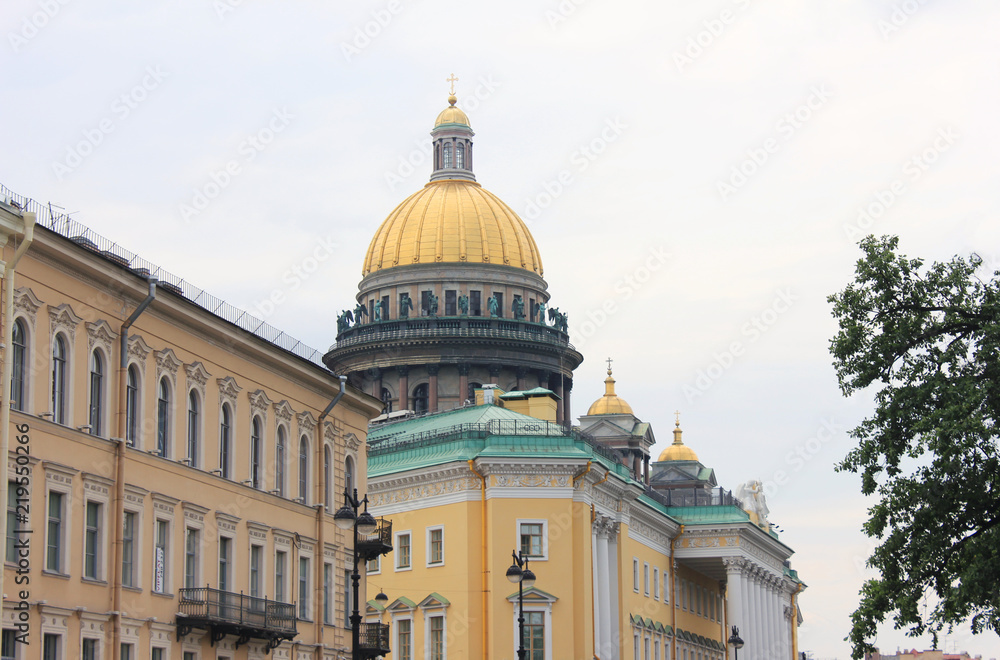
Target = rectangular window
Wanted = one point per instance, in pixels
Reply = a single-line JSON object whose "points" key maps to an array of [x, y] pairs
{"points": [[666, 585], [475, 303], [12, 521], [385, 308], [303, 588], [53, 549], [435, 546], [51, 644], [126, 653], [425, 303], [450, 303], [532, 539], [348, 606], [403, 551], [374, 565], [92, 541], [534, 635], [256, 555], [7, 644], [90, 649], [128, 549], [280, 557], [327, 594], [656, 584], [645, 578], [157, 653], [404, 639], [635, 575], [190, 655], [192, 544], [437, 637], [160, 558], [225, 562]]}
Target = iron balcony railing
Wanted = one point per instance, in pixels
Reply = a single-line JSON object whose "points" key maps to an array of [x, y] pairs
{"points": [[374, 639], [694, 497], [214, 606], [378, 542]]}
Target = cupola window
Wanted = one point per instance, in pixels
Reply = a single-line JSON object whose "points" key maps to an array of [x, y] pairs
{"points": [[447, 156], [460, 156]]}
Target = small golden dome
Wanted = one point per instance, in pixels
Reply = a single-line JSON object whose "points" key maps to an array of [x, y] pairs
{"points": [[452, 221], [678, 451], [610, 403], [452, 115]]}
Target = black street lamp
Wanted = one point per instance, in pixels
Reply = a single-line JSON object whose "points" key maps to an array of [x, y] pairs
{"points": [[520, 573], [736, 641], [364, 524]]}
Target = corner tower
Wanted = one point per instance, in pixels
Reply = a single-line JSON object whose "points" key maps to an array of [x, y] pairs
{"points": [[452, 296]]}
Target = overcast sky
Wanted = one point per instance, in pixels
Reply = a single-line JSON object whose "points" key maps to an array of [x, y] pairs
{"points": [[694, 175]]}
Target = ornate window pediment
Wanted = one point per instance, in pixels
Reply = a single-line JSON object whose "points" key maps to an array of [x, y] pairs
{"points": [[100, 334], [228, 389], [283, 411], [259, 402], [65, 319]]}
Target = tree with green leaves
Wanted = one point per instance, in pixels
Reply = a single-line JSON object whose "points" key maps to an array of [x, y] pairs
{"points": [[927, 338]]}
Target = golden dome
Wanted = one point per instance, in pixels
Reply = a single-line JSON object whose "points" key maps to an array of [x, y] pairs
{"points": [[452, 221], [610, 403], [678, 451], [452, 115]]}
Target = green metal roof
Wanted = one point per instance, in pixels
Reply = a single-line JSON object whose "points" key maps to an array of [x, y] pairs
{"points": [[524, 394], [693, 515]]}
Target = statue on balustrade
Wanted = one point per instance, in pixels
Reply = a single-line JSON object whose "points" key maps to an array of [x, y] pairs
{"points": [[405, 305]]}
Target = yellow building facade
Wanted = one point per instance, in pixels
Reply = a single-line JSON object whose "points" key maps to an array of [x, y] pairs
{"points": [[172, 475]]}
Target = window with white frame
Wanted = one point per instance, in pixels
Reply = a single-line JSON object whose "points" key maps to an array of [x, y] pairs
{"points": [[374, 566], [304, 588], [402, 551], [656, 583], [55, 532], [19, 373], [328, 593], [192, 558], [225, 563], [280, 566], [161, 556], [132, 406], [666, 585], [131, 535], [163, 409], [193, 428], [404, 639], [60, 378], [256, 571], [645, 577], [327, 478], [435, 636], [52, 644], [435, 545], [226, 441], [256, 457], [280, 457], [537, 625], [8, 644], [90, 648], [532, 538], [635, 574], [304, 469], [16, 494]]}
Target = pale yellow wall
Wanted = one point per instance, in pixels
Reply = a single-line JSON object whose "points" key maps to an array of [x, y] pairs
{"points": [[64, 457]]}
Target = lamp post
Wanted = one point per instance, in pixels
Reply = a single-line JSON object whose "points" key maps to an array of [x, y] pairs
{"points": [[364, 524], [520, 573], [737, 642]]}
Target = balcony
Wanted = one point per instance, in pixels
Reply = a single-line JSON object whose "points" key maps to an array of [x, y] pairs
{"points": [[224, 613], [373, 640], [378, 542], [428, 327]]}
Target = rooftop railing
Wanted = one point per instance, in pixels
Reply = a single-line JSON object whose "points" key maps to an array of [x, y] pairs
{"points": [[64, 225], [451, 326], [693, 497]]}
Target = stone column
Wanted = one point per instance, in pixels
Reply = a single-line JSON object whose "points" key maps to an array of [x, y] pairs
{"points": [[603, 562], [770, 641], [495, 374], [432, 387], [522, 375], [376, 374], [463, 383], [614, 625], [404, 388], [597, 594], [778, 643], [746, 627], [555, 384], [759, 627], [567, 411], [734, 594]]}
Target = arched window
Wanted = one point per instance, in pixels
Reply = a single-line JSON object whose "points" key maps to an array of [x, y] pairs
{"points": [[460, 156], [59, 380], [279, 467], [255, 447], [18, 373], [349, 474], [327, 478], [163, 418], [387, 399], [132, 406], [225, 440], [194, 428], [447, 156], [304, 469], [96, 393], [420, 398]]}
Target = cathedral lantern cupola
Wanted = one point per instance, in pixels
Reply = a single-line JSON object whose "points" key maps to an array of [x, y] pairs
{"points": [[452, 143]]}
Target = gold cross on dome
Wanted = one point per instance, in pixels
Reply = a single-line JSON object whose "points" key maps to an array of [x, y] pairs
{"points": [[452, 80], [677, 417], [609, 365]]}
